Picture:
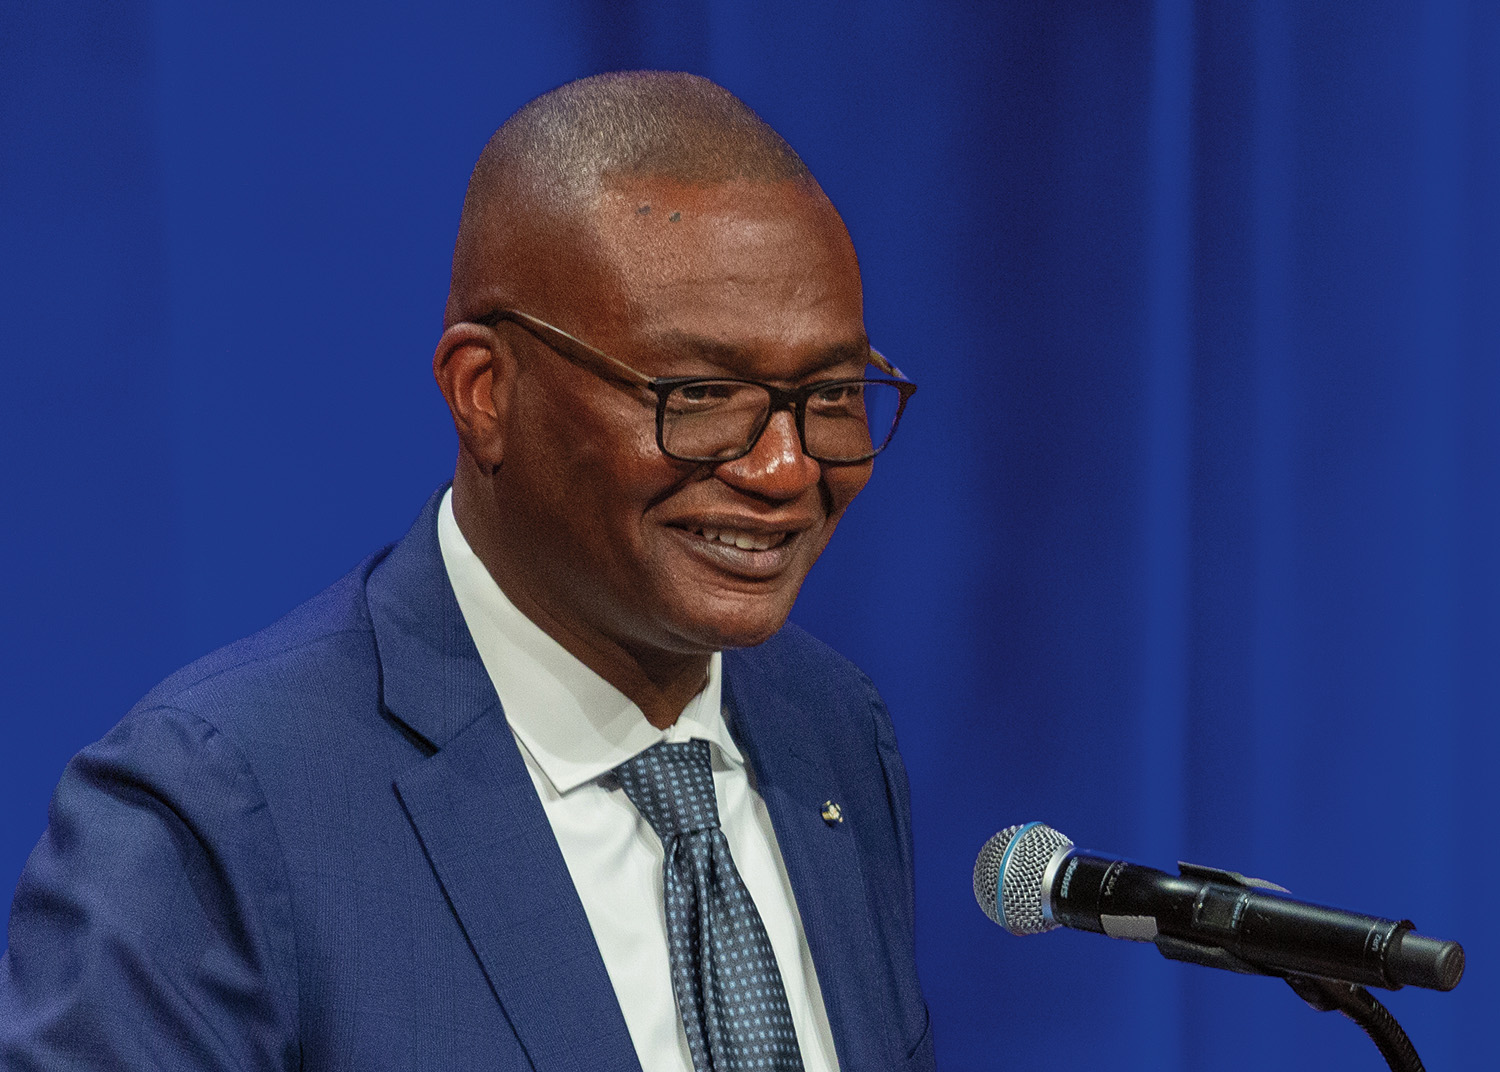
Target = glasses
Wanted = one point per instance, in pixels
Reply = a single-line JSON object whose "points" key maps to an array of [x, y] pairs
{"points": [[719, 419]]}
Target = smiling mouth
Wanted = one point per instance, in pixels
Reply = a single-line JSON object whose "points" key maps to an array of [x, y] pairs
{"points": [[744, 541]]}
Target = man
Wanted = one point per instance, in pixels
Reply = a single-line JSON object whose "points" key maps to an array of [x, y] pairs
{"points": [[496, 799]]}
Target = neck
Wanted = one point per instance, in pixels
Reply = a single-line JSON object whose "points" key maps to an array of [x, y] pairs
{"points": [[661, 683]]}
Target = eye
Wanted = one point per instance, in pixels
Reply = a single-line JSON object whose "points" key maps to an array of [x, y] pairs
{"points": [[702, 396], [837, 398]]}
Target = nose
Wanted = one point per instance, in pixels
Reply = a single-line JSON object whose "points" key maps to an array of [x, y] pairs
{"points": [[776, 467]]}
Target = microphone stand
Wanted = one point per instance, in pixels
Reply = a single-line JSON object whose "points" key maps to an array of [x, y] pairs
{"points": [[1359, 1005]]}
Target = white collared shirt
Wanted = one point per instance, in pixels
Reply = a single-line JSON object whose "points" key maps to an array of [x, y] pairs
{"points": [[574, 728]]}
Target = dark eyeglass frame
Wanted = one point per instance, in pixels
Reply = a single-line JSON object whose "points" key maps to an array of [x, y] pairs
{"points": [[793, 399]]}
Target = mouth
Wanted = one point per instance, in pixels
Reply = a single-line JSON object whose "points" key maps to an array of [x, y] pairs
{"points": [[740, 539], [755, 553]]}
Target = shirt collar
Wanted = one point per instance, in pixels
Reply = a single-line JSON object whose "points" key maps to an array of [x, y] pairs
{"points": [[575, 724]]}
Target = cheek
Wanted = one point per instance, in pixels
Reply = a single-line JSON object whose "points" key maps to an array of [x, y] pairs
{"points": [[614, 470], [597, 469], [843, 483]]}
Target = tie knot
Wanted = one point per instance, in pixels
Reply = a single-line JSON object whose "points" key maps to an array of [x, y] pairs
{"points": [[672, 785]]}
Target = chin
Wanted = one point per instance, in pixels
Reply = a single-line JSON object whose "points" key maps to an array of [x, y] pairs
{"points": [[740, 623]]}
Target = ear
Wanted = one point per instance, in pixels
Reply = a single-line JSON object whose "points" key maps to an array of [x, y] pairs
{"points": [[475, 370]]}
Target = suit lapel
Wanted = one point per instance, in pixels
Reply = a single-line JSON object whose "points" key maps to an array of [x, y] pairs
{"points": [[490, 844], [822, 860], [472, 805]]}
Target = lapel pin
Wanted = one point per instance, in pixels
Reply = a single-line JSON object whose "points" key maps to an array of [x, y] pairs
{"points": [[832, 813]]}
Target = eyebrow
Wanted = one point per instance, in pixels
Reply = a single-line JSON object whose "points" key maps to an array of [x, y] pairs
{"points": [[733, 358]]}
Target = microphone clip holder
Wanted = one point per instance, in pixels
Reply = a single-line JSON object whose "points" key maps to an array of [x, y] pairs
{"points": [[1324, 995]]}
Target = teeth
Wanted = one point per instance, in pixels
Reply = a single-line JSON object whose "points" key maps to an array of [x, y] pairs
{"points": [[745, 541]]}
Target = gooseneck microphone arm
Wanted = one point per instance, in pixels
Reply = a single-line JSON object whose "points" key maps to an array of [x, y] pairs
{"points": [[1359, 1005], [1031, 879]]}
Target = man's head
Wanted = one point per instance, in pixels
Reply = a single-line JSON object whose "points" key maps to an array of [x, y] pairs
{"points": [[656, 218]]}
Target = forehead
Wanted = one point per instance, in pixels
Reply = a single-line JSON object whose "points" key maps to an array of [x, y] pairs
{"points": [[739, 262]]}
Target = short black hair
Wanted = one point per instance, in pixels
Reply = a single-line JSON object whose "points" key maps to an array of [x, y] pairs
{"points": [[637, 123], [559, 152]]}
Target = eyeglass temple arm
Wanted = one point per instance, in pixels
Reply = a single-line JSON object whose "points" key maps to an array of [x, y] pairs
{"points": [[531, 323], [878, 360], [535, 326]]}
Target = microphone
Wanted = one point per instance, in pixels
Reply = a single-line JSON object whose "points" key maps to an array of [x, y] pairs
{"points": [[1031, 879]]}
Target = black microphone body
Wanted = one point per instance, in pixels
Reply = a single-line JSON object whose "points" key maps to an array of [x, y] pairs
{"points": [[1266, 929], [1202, 915]]}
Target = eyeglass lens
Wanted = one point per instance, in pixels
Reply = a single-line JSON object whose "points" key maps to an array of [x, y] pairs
{"points": [[718, 419]]}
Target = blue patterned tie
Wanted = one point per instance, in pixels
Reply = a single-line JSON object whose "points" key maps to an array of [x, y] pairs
{"points": [[724, 974]]}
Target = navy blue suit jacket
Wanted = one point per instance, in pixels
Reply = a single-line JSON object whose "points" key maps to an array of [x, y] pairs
{"points": [[319, 848]]}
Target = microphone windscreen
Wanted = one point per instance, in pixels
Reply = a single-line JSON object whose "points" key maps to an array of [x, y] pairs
{"points": [[1008, 876]]}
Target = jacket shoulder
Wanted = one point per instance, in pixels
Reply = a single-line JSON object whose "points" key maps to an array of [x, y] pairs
{"points": [[793, 660], [318, 646]]}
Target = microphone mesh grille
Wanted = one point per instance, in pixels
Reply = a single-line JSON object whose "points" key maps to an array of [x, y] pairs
{"points": [[987, 871], [1018, 908]]}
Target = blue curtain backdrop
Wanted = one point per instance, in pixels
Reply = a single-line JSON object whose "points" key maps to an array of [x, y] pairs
{"points": [[1189, 546]]}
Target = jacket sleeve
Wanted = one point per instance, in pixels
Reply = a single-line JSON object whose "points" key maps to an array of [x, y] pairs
{"points": [[152, 925]]}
